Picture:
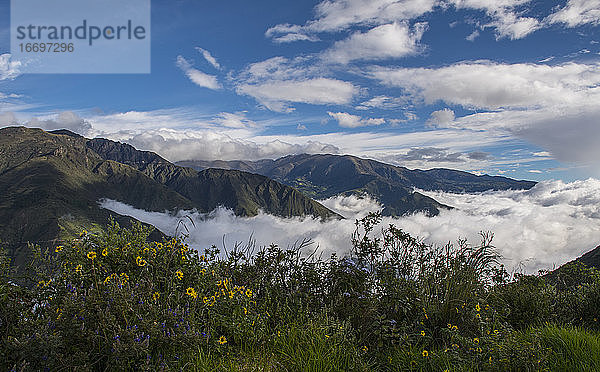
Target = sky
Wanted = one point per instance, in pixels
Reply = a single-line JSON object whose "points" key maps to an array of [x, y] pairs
{"points": [[503, 87]]}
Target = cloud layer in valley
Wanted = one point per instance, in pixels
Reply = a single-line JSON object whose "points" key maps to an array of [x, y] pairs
{"points": [[543, 227]]}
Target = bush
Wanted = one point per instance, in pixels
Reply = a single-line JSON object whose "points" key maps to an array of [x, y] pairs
{"points": [[117, 301]]}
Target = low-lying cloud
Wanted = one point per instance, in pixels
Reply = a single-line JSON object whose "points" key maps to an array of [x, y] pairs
{"points": [[541, 228]]}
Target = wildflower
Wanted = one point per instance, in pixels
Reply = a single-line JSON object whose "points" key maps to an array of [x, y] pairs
{"points": [[449, 326], [84, 232], [455, 328], [490, 360], [478, 316], [222, 340], [495, 332], [146, 250], [476, 340], [365, 348], [104, 252], [326, 336], [422, 333], [487, 307], [58, 249], [124, 277], [179, 274], [425, 353], [91, 255], [191, 292], [59, 313], [477, 307], [78, 269], [140, 261], [455, 346], [41, 283], [156, 296], [245, 311], [205, 299], [248, 292], [478, 350], [107, 280]]}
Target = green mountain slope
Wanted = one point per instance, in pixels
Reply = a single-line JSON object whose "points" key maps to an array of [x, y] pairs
{"points": [[245, 193], [50, 185], [323, 176]]}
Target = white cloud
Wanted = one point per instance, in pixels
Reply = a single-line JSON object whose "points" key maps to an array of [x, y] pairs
{"points": [[64, 120], [382, 42], [548, 225], [577, 13], [277, 95], [441, 118], [505, 18], [506, 85], [9, 69], [353, 121], [209, 58], [339, 15], [196, 76], [176, 145], [384, 102], [231, 120]]}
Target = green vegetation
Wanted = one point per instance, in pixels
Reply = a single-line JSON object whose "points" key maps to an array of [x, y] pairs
{"points": [[116, 300]]}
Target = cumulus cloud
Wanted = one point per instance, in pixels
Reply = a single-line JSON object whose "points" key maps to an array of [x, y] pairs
{"points": [[177, 145], [339, 15], [196, 76], [442, 118], [353, 121], [505, 17], [544, 227], [65, 120], [209, 58], [576, 13], [507, 85], [382, 42], [9, 69], [276, 95]]}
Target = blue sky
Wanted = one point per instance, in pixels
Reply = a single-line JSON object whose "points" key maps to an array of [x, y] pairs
{"points": [[504, 87]]}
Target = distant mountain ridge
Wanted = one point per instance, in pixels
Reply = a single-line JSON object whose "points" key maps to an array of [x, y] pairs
{"points": [[323, 176]]}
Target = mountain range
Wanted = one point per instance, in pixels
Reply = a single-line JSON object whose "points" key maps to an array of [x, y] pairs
{"points": [[50, 185], [323, 176]]}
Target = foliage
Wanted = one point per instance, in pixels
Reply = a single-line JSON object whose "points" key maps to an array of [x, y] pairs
{"points": [[117, 301]]}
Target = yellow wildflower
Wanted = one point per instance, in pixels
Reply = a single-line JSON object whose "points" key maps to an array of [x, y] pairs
{"points": [[477, 307], [156, 296], [104, 252], [365, 348], [249, 292], [476, 340], [425, 353], [222, 340], [78, 269], [140, 261], [58, 249], [422, 333], [91, 255], [191, 292], [179, 274], [124, 277]]}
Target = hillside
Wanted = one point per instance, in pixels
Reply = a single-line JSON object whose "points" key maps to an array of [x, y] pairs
{"points": [[50, 184], [323, 176]]}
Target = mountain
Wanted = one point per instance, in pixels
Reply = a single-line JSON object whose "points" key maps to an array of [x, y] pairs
{"points": [[245, 193], [324, 176], [592, 258], [50, 184]]}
